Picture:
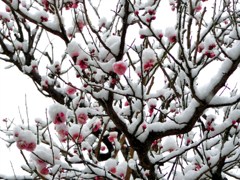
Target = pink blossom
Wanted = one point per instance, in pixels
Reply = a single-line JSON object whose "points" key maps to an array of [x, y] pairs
{"points": [[96, 126], [59, 118], [24, 145], [114, 81], [40, 162], [151, 110], [112, 136], [45, 4], [74, 54], [120, 67], [81, 25], [57, 69], [198, 8], [200, 47], [62, 129], [44, 170], [82, 64], [113, 170], [148, 65], [103, 148], [31, 146], [77, 137], [197, 167], [210, 54], [82, 118], [75, 5], [70, 90], [25, 139], [21, 144]]}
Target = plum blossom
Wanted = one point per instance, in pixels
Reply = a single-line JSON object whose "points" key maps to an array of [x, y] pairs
{"points": [[70, 90], [58, 113], [112, 136], [120, 67], [25, 139], [82, 63], [80, 21], [55, 68], [148, 65], [74, 50], [43, 170], [200, 47], [62, 130], [198, 7], [45, 4], [152, 103], [169, 144], [171, 34], [75, 133], [82, 118], [111, 165], [81, 114], [148, 58], [96, 126]]}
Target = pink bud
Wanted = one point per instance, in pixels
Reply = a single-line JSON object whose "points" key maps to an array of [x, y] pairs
{"points": [[136, 13], [126, 103], [211, 46], [172, 39], [160, 35], [8, 9], [142, 36], [44, 19], [148, 20], [151, 12], [144, 126], [153, 17]]}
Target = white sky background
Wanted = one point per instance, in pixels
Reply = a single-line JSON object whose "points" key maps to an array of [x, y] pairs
{"points": [[15, 85]]}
